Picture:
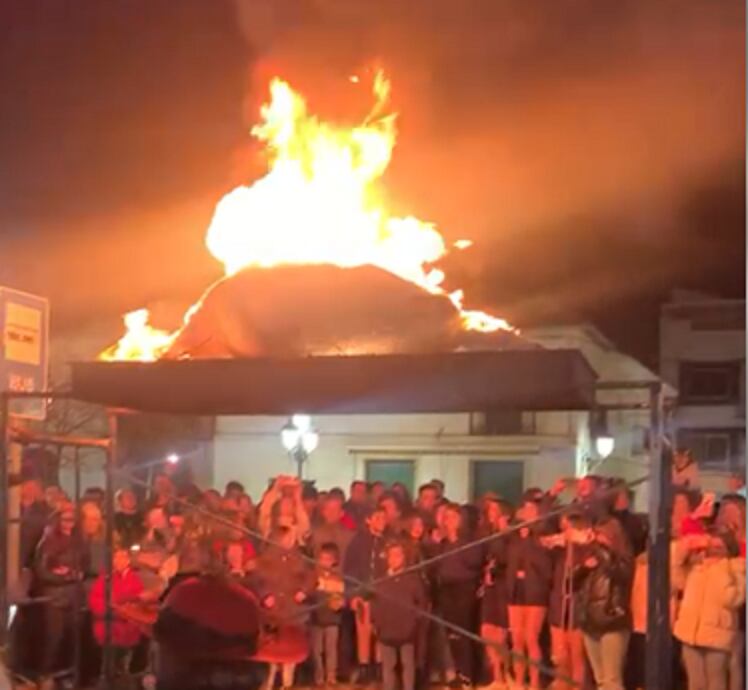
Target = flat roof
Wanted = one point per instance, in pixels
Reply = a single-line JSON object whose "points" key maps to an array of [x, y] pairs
{"points": [[530, 380]]}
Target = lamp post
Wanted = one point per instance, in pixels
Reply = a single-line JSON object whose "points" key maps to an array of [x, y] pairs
{"points": [[300, 440], [604, 445]]}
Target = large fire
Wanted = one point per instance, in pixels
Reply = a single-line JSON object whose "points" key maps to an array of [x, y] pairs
{"points": [[318, 204]]}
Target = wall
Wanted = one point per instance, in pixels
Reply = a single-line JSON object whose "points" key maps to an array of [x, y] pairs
{"points": [[684, 337], [249, 449]]}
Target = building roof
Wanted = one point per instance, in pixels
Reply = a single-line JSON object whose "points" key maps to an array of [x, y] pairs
{"points": [[442, 382]]}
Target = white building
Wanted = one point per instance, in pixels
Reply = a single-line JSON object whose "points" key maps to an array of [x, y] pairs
{"points": [[702, 353], [471, 453]]}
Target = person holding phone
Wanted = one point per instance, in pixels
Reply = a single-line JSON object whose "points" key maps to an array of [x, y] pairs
{"points": [[567, 642]]}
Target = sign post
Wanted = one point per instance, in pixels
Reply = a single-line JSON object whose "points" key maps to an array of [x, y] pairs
{"points": [[24, 353], [24, 350]]}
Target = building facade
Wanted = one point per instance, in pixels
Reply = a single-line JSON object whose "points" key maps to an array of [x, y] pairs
{"points": [[702, 354], [472, 453]]}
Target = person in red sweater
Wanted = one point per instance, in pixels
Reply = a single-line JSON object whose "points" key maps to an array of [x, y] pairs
{"points": [[127, 588]]}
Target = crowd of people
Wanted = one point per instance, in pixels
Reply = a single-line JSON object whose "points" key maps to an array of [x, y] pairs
{"points": [[399, 590]]}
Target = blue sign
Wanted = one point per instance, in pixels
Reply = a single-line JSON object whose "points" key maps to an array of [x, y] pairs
{"points": [[24, 349]]}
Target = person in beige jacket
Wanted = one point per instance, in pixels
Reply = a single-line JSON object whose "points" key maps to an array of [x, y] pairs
{"points": [[712, 580]]}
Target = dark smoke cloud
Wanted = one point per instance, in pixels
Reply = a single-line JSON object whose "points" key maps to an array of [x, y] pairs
{"points": [[574, 140]]}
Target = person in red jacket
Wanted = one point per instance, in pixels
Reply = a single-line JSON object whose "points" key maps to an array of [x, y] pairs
{"points": [[127, 588]]}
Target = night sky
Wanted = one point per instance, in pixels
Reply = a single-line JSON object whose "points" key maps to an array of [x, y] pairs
{"points": [[594, 150]]}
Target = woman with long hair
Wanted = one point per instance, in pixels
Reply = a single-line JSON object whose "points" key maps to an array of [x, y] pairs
{"points": [[457, 576], [58, 568], [528, 582], [495, 518]]}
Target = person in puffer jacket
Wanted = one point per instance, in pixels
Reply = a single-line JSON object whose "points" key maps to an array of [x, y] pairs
{"points": [[394, 612], [713, 585]]}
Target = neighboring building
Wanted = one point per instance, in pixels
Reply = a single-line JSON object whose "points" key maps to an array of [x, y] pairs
{"points": [[471, 452], [702, 353]]}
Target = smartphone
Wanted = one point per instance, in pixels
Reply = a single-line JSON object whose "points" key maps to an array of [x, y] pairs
{"points": [[706, 507]]}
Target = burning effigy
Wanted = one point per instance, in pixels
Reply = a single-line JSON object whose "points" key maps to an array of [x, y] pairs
{"points": [[314, 262]]}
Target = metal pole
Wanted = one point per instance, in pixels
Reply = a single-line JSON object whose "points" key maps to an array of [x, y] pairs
{"points": [[79, 588], [14, 467], [4, 515], [299, 456], [107, 666], [659, 641]]}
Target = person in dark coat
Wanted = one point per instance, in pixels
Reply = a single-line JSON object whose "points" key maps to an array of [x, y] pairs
{"points": [[604, 580], [457, 576], [634, 526], [328, 600], [528, 582], [58, 570], [494, 604], [357, 506], [128, 520], [394, 611], [364, 562], [35, 514]]}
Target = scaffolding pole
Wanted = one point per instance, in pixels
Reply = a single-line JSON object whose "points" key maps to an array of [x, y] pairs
{"points": [[4, 519], [107, 665], [659, 641]]}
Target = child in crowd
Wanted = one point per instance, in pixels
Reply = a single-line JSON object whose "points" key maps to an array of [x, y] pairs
{"points": [[365, 562], [127, 588], [326, 615], [394, 611]]}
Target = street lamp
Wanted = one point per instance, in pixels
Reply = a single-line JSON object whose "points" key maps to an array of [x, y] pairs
{"points": [[300, 440], [604, 445]]}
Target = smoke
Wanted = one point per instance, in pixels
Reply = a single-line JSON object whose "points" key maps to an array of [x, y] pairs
{"points": [[567, 138], [578, 126]]}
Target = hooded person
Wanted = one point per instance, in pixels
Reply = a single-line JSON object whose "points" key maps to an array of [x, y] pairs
{"points": [[207, 632]]}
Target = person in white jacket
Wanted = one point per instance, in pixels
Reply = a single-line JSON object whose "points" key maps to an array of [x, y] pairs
{"points": [[713, 586]]}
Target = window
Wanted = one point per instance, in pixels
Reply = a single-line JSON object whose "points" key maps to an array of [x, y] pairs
{"points": [[390, 471], [729, 317], [714, 449], [706, 383], [502, 423], [503, 477]]}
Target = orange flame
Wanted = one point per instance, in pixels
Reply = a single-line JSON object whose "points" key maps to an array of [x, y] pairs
{"points": [[141, 341], [319, 204]]}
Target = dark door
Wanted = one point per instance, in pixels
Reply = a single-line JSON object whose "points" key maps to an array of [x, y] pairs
{"points": [[503, 477]]}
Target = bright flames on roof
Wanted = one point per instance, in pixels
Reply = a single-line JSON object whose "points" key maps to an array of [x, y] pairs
{"points": [[318, 204]]}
